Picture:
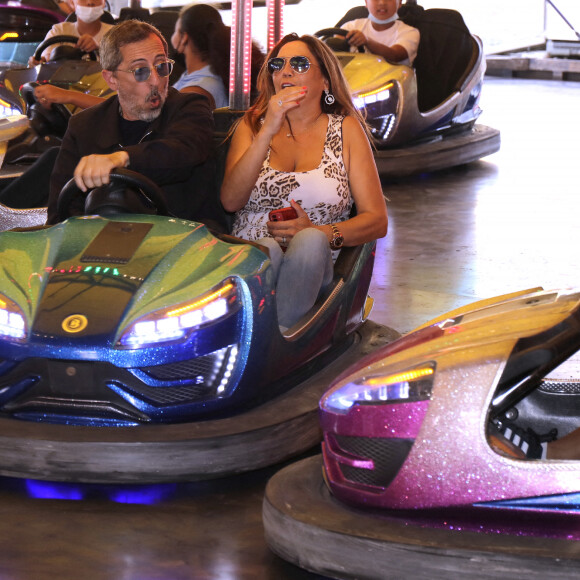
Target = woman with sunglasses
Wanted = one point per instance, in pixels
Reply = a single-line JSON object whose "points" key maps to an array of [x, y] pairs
{"points": [[303, 143]]}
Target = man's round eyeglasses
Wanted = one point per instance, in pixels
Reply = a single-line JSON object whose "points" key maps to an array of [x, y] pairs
{"points": [[142, 73], [299, 64]]}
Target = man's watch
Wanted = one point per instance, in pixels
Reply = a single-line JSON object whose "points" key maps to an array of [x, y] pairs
{"points": [[337, 238]]}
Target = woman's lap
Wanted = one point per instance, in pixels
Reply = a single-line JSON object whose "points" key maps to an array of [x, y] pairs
{"points": [[302, 272]]}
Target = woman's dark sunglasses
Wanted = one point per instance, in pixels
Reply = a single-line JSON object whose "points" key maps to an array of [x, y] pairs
{"points": [[299, 64], [141, 74]]}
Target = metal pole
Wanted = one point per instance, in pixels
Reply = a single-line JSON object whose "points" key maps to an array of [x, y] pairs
{"points": [[241, 50], [564, 18], [275, 21]]}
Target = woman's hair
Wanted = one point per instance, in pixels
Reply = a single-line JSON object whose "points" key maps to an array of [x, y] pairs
{"points": [[331, 70], [126, 32], [204, 26]]}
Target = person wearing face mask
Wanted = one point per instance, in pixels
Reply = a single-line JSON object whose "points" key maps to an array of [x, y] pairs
{"points": [[203, 39], [88, 27], [382, 33]]}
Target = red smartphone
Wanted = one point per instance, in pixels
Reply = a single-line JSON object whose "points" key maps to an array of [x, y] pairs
{"points": [[282, 214]]}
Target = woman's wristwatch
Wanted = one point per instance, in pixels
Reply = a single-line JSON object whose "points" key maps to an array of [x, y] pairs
{"points": [[337, 238]]}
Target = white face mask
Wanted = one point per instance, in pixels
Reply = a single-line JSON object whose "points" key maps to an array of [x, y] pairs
{"points": [[385, 21], [89, 13]]}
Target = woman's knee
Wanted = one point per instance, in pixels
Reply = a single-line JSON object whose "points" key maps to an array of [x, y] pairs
{"points": [[311, 245]]}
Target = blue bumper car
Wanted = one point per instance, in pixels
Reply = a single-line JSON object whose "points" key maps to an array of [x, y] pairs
{"points": [[141, 347]]}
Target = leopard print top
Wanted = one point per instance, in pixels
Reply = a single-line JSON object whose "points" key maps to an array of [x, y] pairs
{"points": [[323, 193]]}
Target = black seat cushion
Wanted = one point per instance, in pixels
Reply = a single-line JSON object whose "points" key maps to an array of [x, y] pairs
{"points": [[353, 14], [445, 52]]}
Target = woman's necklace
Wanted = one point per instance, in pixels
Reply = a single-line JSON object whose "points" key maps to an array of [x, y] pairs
{"points": [[292, 134]]}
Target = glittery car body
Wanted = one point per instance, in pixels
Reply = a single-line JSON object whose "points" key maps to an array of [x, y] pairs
{"points": [[411, 426], [139, 319]]}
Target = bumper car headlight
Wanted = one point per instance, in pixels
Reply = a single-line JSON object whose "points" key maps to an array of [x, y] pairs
{"points": [[380, 389], [12, 321], [176, 322], [381, 106]]}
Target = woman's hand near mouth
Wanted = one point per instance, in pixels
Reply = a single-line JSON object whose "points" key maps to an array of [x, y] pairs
{"points": [[286, 99]]}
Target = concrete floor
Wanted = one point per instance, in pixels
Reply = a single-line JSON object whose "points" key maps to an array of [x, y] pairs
{"points": [[505, 223]]}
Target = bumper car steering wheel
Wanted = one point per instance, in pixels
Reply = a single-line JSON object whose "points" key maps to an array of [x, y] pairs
{"points": [[68, 52], [44, 121], [328, 36], [52, 121], [127, 192]]}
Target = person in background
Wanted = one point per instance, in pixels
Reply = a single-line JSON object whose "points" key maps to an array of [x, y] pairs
{"points": [[382, 33], [201, 36], [204, 40], [303, 143], [88, 27]]}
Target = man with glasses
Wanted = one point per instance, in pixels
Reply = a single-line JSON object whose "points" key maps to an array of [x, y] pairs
{"points": [[147, 127]]}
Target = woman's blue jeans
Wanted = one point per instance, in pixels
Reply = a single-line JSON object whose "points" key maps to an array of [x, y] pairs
{"points": [[301, 273]]}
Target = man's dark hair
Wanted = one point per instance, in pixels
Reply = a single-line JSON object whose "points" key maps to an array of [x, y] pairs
{"points": [[127, 32]]}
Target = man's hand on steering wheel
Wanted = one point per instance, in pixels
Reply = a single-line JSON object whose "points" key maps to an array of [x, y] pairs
{"points": [[95, 170], [37, 57], [150, 192]]}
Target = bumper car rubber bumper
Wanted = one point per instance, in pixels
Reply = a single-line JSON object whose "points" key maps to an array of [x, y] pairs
{"points": [[306, 525], [273, 432]]}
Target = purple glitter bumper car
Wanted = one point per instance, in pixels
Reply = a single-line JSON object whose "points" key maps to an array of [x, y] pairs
{"points": [[458, 443]]}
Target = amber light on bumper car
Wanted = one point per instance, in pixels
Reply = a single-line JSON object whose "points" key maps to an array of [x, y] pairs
{"points": [[411, 385], [176, 322]]}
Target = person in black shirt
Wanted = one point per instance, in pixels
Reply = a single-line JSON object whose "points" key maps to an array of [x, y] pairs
{"points": [[147, 127]]}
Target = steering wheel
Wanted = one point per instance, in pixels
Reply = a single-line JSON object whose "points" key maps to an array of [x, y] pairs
{"points": [[62, 39], [127, 192], [45, 121], [327, 34]]}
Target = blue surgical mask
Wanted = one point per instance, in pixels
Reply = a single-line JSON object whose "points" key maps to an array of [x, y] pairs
{"points": [[89, 13]]}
